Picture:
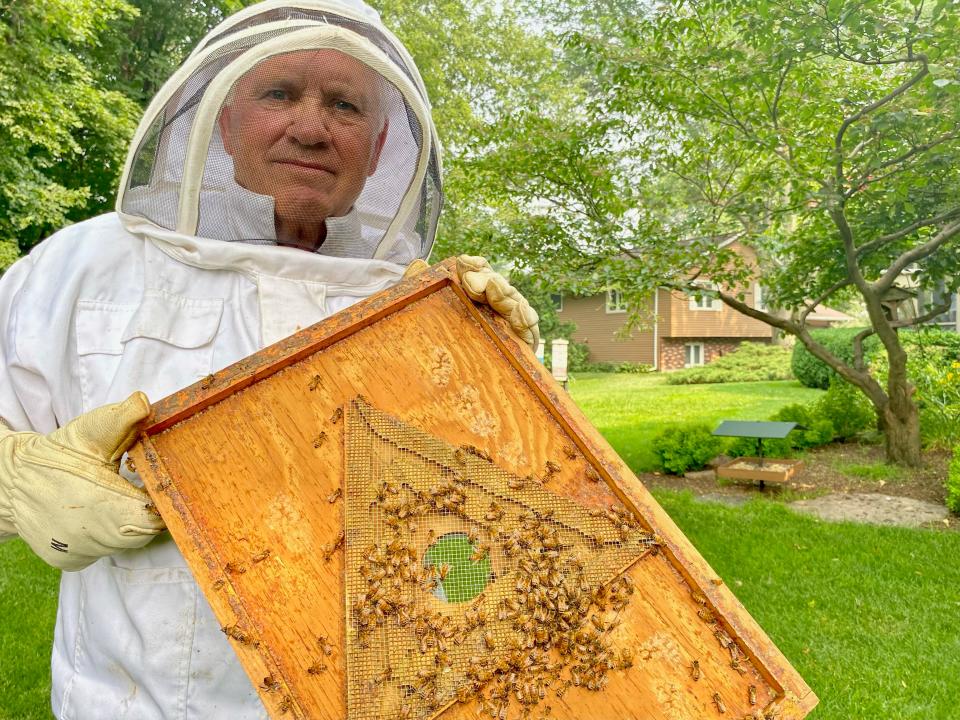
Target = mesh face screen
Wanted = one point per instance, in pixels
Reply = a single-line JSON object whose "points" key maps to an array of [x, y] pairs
{"points": [[311, 148], [465, 582]]}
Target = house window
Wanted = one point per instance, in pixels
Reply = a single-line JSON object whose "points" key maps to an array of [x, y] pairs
{"points": [[706, 300], [557, 300], [758, 300], [615, 302], [693, 354]]}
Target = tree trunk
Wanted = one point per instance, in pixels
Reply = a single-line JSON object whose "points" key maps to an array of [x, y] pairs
{"points": [[900, 422]]}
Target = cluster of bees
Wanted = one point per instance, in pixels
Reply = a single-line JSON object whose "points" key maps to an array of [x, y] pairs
{"points": [[560, 621]]}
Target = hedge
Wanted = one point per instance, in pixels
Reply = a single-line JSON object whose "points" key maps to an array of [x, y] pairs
{"points": [[812, 371]]}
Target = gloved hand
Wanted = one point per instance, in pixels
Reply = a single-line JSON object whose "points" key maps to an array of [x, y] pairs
{"points": [[483, 284], [62, 492]]}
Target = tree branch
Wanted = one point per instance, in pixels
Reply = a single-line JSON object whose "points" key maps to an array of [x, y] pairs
{"points": [[918, 253], [812, 306], [903, 232], [867, 109], [868, 178]]}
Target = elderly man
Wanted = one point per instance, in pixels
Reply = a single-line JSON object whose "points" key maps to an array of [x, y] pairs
{"points": [[288, 169]]}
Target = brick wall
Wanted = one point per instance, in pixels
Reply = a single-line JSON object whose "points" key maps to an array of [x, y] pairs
{"points": [[672, 353]]}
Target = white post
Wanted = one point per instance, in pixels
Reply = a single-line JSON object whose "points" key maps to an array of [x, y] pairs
{"points": [[539, 351], [558, 358]]}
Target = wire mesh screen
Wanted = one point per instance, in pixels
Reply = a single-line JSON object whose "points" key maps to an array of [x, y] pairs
{"points": [[464, 582]]}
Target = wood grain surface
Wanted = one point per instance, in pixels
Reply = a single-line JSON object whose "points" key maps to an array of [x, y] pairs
{"points": [[245, 467]]}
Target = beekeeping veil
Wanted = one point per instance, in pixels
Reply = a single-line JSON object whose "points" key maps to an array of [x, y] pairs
{"points": [[291, 116]]}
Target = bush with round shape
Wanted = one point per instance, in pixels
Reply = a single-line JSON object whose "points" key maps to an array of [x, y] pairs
{"points": [[686, 447]]}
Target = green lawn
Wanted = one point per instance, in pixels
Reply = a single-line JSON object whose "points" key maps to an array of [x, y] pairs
{"points": [[868, 615], [28, 603], [630, 409]]}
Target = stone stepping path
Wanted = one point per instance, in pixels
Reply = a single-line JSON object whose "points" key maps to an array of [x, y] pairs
{"points": [[872, 508]]}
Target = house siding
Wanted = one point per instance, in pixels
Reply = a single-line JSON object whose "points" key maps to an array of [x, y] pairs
{"points": [[599, 330]]}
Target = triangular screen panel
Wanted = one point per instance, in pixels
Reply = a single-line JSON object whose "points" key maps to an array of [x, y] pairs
{"points": [[397, 513]]}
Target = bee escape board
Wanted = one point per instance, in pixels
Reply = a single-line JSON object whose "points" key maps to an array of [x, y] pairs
{"points": [[397, 513]]}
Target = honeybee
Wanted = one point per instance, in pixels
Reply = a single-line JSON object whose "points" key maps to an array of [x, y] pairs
{"points": [[337, 414], [335, 495], [317, 668], [238, 568], [324, 643], [206, 382], [314, 383], [552, 467], [285, 705], [718, 701], [488, 640], [269, 684], [752, 694], [261, 556], [695, 669], [320, 440], [443, 571]]}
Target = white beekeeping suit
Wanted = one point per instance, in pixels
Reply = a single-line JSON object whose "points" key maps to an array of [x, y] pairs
{"points": [[287, 170]]}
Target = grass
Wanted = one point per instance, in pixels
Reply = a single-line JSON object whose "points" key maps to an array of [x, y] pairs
{"points": [[28, 597], [871, 471], [867, 615], [629, 410]]}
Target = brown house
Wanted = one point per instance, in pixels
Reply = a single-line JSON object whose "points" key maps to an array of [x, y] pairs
{"points": [[684, 330]]}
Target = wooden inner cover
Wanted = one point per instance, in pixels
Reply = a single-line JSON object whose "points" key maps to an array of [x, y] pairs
{"points": [[247, 468]]}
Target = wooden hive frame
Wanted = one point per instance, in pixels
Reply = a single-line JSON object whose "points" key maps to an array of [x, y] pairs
{"points": [[246, 465]]}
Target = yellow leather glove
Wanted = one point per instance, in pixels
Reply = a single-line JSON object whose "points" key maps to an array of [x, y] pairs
{"points": [[483, 284], [62, 492]]}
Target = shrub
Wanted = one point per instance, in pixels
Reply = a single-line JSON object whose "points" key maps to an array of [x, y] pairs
{"points": [[846, 407], [635, 368], [686, 447], [953, 482], [751, 362], [811, 431], [747, 447], [812, 372]]}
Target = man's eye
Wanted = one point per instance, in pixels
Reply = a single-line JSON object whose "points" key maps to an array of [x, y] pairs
{"points": [[345, 105], [276, 94]]}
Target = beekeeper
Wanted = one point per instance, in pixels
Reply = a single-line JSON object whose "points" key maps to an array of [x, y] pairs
{"points": [[287, 170]]}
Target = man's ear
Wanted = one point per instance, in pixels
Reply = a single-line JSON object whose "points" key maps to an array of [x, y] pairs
{"points": [[224, 122], [378, 148]]}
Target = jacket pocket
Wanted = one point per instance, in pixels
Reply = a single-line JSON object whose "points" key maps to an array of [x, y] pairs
{"points": [[159, 346]]}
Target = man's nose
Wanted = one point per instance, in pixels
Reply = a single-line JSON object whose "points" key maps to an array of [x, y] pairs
{"points": [[309, 123]]}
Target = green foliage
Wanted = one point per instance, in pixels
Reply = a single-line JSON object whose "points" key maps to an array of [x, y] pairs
{"points": [[686, 447], [751, 362], [63, 135], [847, 408], [634, 368], [812, 371], [812, 431], [933, 366], [824, 135], [953, 482]]}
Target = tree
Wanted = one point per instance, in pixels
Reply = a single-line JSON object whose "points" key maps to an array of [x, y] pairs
{"points": [[823, 133], [62, 135]]}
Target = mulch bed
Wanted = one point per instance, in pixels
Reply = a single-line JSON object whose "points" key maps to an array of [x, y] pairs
{"points": [[822, 475]]}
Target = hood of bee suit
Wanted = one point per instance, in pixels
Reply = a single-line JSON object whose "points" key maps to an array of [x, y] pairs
{"points": [[287, 116]]}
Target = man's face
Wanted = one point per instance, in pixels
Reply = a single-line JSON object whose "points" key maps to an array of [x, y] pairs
{"points": [[307, 129]]}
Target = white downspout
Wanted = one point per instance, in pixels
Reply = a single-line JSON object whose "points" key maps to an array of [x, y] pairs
{"points": [[656, 328]]}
